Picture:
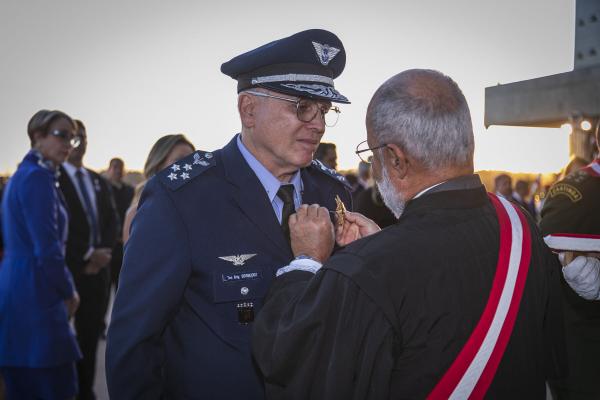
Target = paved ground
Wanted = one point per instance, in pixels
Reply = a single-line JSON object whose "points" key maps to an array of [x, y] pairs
{"points": [[100, 381]]}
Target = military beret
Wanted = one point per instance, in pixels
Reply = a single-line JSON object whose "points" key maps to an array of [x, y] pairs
{"points": [[304, 65]]}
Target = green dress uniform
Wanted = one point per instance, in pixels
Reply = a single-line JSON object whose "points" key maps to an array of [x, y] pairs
{"points": [[572, 211]]}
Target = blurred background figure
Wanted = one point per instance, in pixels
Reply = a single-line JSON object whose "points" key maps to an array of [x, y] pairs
{"points": [[370, 204], [364, 177], [521, 197], [366, 198], [166, 151], [503, 186], [92, 236], [327, 154], [574, 164], [2, 184], [122, 194], [38, 349]]}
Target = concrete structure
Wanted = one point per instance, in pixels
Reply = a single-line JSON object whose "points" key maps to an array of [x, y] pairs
{"points": [[552, 101]]}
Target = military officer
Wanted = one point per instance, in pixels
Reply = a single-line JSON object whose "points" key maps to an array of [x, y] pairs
{"points": [[211, 230], [571, 223]]}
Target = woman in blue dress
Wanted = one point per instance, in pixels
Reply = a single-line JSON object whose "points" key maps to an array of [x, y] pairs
{"points": [[38, 349]]}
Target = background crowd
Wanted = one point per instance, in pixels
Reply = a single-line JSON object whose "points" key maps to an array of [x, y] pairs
{"points": [[101, 206]]}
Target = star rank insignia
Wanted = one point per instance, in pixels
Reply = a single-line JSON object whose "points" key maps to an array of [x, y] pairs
{"points": [[186, 169]]}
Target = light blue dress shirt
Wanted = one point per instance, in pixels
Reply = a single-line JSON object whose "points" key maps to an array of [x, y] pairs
{"points": [[270, 182]]}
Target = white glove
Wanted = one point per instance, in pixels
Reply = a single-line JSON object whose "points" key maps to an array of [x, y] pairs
{"points": [[583, 275]]}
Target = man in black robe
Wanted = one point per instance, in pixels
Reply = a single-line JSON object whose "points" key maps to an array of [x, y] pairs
{"points": [[388, 315]]}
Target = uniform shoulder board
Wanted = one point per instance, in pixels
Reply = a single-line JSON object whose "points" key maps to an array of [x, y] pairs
{"points": [[183, 171], [318, 165]]}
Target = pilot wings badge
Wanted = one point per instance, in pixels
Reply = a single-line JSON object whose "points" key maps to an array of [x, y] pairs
{"points": [[238, 259], [325, 52]]}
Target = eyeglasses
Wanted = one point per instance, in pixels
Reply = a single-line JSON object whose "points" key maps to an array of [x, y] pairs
{"points": [[66, 136], [307, 110], [365, 153]]}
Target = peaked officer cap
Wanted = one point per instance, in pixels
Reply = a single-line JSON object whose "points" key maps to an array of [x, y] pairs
{"points": [[304, 64]]}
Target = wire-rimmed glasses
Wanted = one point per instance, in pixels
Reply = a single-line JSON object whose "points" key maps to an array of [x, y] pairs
{"points": [[307, 110], [365, 153]]}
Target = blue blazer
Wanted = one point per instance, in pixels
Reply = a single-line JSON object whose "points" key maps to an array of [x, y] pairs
{"points": [[34, 281], [177, 328]]}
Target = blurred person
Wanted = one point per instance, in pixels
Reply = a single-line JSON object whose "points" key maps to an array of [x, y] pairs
{"points": [[503, 186], [92, 236], [521, 197], [456, 300], [370, 204], [167, 150], [575, 164], [38, 349], [327, 154], [364, 173], [571, 226], [212, 229], [364, 181], [2, 183], [122, 194]]}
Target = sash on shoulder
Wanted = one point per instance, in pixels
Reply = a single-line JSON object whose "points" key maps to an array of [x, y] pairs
{"points": [[593, 168], [473, 370]]}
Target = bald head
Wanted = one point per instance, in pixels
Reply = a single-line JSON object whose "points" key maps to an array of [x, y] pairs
{"points": [[425, 113]]}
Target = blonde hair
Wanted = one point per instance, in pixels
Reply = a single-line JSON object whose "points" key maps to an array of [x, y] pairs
{"points": [[156, 158]]}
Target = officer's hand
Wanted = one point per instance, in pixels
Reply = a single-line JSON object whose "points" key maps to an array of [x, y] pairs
{"points": [[356, 226], [101, 256], [311, 232], [72, 304]]}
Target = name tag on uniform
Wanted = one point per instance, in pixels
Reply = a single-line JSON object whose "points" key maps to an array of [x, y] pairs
{"points": [[240, 277]]}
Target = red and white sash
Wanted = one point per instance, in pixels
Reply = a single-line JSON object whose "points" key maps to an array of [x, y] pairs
{"points": [[472, 372], [593, 168]]}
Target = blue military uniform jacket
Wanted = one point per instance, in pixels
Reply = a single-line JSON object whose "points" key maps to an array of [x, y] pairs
{"points": [[34, 280], [204, 248]]}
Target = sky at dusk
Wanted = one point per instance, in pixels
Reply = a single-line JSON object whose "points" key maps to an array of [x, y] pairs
{"points": [[134, 71]]}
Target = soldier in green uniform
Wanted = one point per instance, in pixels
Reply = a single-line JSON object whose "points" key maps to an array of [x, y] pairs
{"points": [[571, 226]]}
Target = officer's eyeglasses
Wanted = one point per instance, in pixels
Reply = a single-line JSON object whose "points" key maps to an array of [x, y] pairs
{"points": [[365, 153], [307, 110], [66, 136]]}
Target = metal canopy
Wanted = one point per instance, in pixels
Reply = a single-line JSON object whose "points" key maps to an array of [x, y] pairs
{"points": [[546, 102]]}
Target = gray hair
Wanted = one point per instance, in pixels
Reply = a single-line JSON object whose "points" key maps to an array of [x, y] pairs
{"points": [[426, 114]]}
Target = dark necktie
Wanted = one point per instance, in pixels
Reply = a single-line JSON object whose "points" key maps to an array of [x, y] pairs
{"points": [[87, 205], [286, 194]]}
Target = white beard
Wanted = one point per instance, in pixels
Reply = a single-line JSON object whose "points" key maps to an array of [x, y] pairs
{"points": [[391, 197]]}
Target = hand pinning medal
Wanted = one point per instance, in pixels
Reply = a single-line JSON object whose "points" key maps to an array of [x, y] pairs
{"points": [[340, 211]]}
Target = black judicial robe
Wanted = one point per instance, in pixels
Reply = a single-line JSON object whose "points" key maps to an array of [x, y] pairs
{"points": [[386, 316]]}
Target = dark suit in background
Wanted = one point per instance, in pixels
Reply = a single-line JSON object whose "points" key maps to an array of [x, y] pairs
{"points": [[93, 288], [122, 194]]}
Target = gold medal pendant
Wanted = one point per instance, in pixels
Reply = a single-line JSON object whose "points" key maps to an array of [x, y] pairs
{"points": [[340, 211]]}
